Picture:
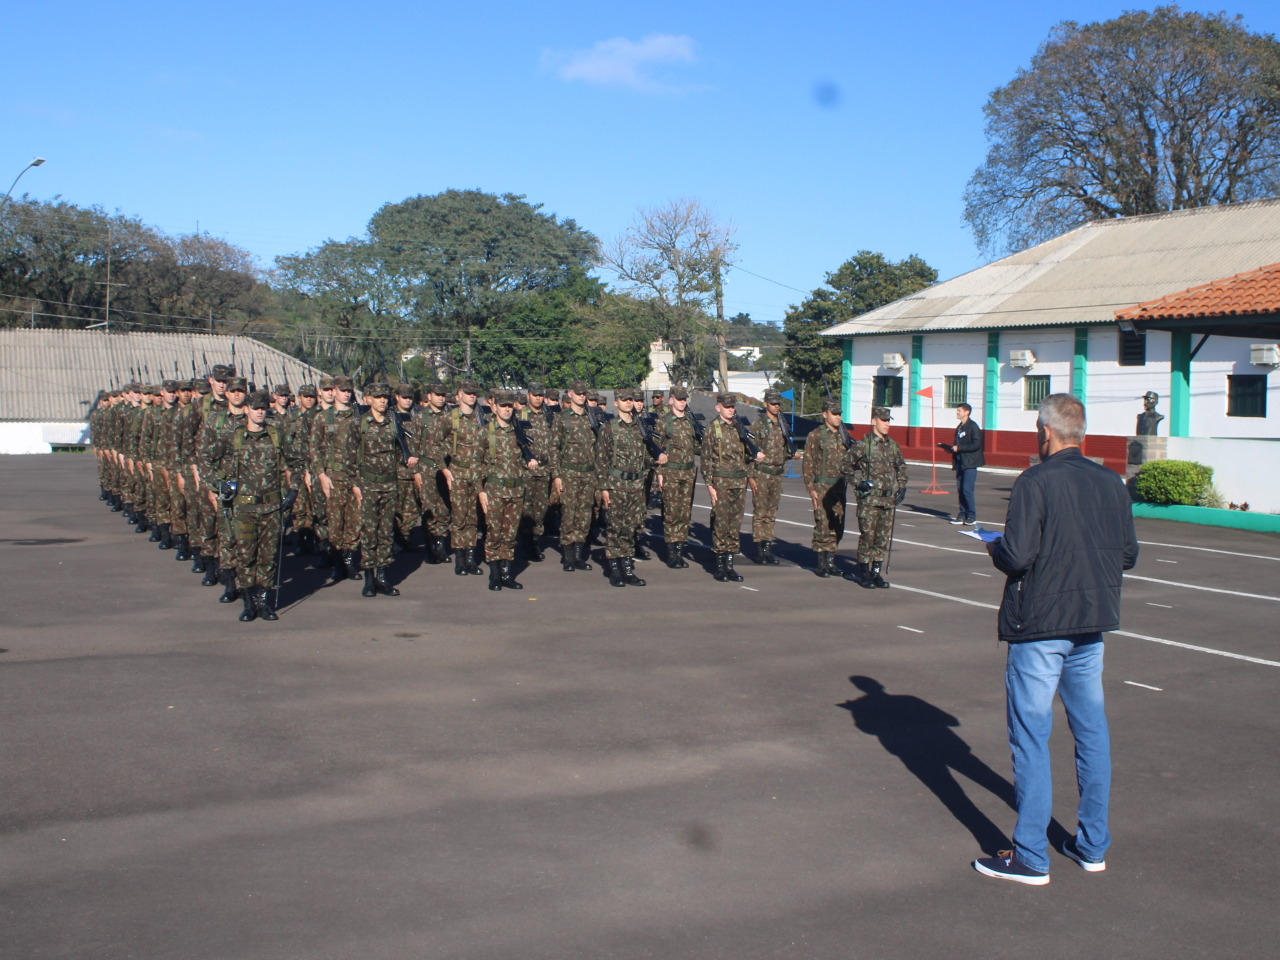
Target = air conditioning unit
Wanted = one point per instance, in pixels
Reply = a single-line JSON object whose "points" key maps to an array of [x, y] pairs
{"points": [[1023, 359], [894, 361], [1264, 354]]}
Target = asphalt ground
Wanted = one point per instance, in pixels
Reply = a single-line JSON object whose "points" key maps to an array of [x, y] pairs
{"points": [[791, 767]]}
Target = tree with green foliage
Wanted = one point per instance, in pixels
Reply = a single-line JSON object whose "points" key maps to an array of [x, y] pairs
{"points": [[860, 284], [1152, 111]]}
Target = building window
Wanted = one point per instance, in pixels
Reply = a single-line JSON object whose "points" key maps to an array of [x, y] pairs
{"points": [[957, 391], [1034, 390], [1246, 395], [887, 392], [1133, 349]]}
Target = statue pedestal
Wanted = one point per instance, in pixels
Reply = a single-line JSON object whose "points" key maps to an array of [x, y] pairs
{"points": [[1142, 449]]}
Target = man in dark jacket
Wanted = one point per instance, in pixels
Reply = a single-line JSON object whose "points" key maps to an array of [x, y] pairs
{"points": [[966, 458], [1068, 538]]}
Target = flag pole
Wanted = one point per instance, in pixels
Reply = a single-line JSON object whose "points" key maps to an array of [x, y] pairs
{"points": [[933, 445]]}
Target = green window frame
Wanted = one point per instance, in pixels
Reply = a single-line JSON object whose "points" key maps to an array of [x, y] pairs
{"points": [[956, 390], [1035, 387], [887, 392], [1246, 395]]}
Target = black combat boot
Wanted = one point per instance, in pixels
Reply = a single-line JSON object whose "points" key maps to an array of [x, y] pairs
{"points": [[675, 556], [157, 533], [324, 551], [506, 577], [439, 551], [640, 553], [352, 564], [581, 555], [495, 576], [116, 503], [250, 612], [210, 572], [822, 569], [876, 579], [380, 581], [460, 562], [102, 492], [183, 543], [629, 573], [532, 549], [731, 573], [472, 557], [568, 551], [306, 543], [261, 600], [166, 537], [128, 512], [143, 526], [857, 574], [401, 541], [868, 578], [766, 554], [617, 577], [369, 589], [229, 592], [721, 563]]}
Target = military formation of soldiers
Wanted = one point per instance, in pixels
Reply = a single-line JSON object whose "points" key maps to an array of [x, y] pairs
{"points": [[217, 474]]}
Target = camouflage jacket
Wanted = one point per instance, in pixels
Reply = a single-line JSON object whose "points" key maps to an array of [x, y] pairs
{"points": [[502, 464], [573, 445], [431, 428], [537, 430], [770, 436], [131, 431], [462, 444], [255, 461], [880, 460], [622, 458], [374, 452], [826, 459], [164, 444], [724, 455], [331, 444], [678, 438], [296, 439], [212, 446]]}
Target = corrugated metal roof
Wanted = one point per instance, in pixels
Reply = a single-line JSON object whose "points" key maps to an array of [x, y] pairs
{"points": [[54, 375], [1245, 294], [1085, 275]]}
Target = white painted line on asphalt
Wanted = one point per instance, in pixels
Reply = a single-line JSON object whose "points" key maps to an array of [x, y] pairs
{"points": [[1158, 560], [1165, 605], [1229, 553], [1196, 586], [752, 589], [934, 546], [977, 574], [1120, 633], [912, 629], [1144, 686]]}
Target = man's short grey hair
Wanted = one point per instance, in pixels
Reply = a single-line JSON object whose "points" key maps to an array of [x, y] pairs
{"points": [[1064, 415]]}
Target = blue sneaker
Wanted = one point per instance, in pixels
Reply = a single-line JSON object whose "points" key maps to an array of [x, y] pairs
{"points": [[1005, 866], [1071, 851]]}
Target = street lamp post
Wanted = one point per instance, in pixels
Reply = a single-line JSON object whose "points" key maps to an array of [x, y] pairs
{"points": [[34, 163]]}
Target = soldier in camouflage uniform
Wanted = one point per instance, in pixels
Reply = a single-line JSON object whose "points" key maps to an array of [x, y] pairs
{"points": [[880, 479], [725, 459], [296, 435], [573, 465], [461, 442], [319, 505], [177, 465], [210, 406], [163, 463], [331, 442], [766, 476], [622, 463], [432, 423], [214, 432], [252, 458], [408, 501], [536, 420], [375, 461], [826, 463], [505, 471], [680, 437]]}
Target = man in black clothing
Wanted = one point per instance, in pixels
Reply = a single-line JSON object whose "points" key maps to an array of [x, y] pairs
{"points": [[966, 458]]}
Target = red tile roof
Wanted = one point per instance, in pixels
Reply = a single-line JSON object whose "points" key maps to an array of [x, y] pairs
{"points": [[1253, 292]]}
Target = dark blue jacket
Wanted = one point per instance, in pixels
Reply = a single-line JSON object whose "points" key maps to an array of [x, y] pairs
{"points": [[968, 441], [1068, 537]]}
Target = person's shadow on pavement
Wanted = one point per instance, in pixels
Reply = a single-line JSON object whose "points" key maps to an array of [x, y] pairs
{"points": [[920, 735]]}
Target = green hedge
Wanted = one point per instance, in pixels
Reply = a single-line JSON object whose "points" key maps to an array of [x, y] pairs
{"points": [[1173, 481]]}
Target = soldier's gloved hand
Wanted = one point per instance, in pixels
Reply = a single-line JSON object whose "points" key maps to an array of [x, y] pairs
{"points": [[900, 495], [864, 487], [287, 502]]}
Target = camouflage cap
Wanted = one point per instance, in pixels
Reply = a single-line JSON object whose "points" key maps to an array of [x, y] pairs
{"points": [[281, 390], [772, 396], [831, 405], [593, 394], [238, 383], [223, 371], [343, 383], [258, 400], [727, 399], [577, 386], [553, 396], [307, 390], [536, 390], [469, 386], [628, 393], [378, 388], [438, 388], [187, 384], [504, 398], [406, 390], [169, 386], [150, 390], [202, 387], [881, 413], [657, 396], [326, 383], [679, 393]]}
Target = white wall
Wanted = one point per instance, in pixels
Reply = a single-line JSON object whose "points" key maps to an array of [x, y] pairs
{"points": [[1219, 357], [1244, 471], [40, 437]]}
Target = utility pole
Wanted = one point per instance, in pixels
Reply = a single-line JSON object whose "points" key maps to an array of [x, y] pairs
{"points": [[108, 284], [724, 355]]}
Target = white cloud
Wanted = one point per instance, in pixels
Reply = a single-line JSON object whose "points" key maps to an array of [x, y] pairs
{"points": [[624, 63]]}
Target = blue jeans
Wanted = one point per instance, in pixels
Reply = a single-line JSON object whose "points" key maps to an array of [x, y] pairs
{"points": [[964, 484], [1035, 670]]}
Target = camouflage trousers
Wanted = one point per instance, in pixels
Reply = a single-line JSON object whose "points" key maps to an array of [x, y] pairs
{"points": [[343, 515], [408, 504], [177, 502], [537, 500], [726, 521], [765, 497], [828, 519], [874, 527], [626, 513], [576, 502], [158, 496], [433, 499], [377, 515], [254, 549], [464, 518], [502, 523], [677, 504], [206, 527], [319, 511], [303, 519], [136, 488]]}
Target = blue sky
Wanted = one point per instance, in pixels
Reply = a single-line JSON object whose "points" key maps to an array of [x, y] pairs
{"points": [[817, 129]]}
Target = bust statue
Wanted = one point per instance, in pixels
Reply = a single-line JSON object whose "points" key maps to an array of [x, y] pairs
{"points": [[1149, 418]]}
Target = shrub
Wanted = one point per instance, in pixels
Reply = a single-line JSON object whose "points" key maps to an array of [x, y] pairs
{"points": [[1173, 481]]}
